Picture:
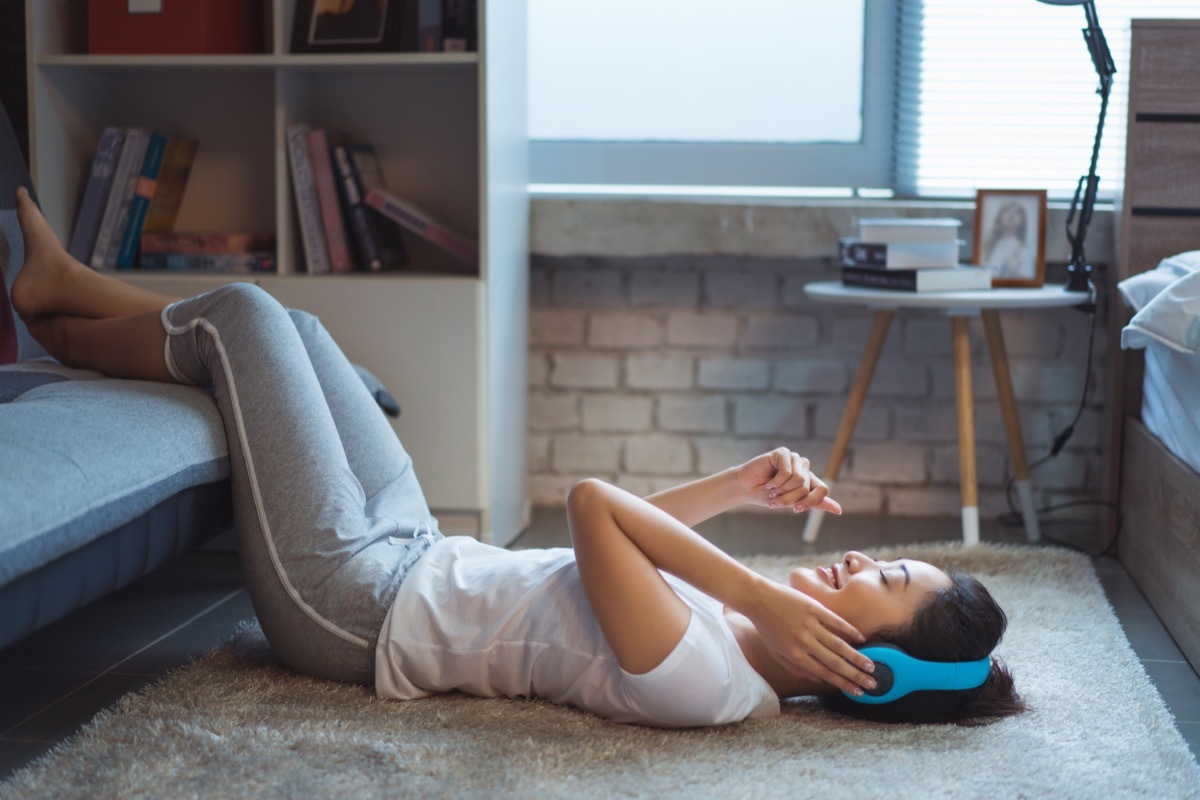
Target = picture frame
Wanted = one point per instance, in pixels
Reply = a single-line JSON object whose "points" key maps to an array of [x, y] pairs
{"points": [[347, 26], [1010, 235]]}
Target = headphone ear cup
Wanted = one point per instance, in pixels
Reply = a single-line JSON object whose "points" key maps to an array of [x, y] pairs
{"points": [[885, 679]]}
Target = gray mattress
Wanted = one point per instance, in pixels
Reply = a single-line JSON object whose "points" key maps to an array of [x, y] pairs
{"points": [[101, 481]]}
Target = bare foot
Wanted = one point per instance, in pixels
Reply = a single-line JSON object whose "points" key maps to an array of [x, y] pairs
{"points": [[50, 331], [47, 268]]}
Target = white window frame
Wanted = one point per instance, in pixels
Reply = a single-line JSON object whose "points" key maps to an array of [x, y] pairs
{"points": [[867, 163]]}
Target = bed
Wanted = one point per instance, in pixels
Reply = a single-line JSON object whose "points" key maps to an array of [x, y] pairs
{"points": [[1160, 476], [1154, 472]]}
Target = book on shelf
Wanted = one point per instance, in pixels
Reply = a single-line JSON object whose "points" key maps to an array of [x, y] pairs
{"points": [[255, 261], [95, 193], [853, 252], [308, 205], [890, 230], [116, 207], [173, 177], [960, 278], [341, 257], [180, 242], [459, 26], [139, 203], [422, 26], [379, 246], [414, 219]]}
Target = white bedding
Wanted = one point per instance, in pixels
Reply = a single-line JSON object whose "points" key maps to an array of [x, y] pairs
{"points": [[1167, 325]]}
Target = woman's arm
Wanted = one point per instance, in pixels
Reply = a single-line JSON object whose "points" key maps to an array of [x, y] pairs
{"points": [[621, 542], [778, 479]]}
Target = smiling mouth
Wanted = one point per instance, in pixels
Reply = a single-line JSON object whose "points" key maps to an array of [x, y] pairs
{"points": [[830, 574]]}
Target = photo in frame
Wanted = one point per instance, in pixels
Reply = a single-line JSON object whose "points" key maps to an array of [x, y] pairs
{"points": [[347, 26], [1010, 235]]}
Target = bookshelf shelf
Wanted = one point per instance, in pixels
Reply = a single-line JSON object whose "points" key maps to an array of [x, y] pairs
{"points": [[449, 129], [265, 61]]}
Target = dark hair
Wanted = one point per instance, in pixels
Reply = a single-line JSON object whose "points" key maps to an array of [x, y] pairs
{"points": [[962, 622]]}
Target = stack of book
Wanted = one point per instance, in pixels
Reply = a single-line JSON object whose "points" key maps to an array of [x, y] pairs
{"points": [[349, 220], [912, 255], [136, 185]]}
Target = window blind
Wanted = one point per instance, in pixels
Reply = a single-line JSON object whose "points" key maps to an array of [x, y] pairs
{"points": [[1001, 94]]}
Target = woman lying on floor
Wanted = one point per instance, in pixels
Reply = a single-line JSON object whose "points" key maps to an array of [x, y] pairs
{"points": [[642, 621]]}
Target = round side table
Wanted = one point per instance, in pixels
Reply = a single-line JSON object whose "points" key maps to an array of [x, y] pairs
{"points": [[959, 306]]}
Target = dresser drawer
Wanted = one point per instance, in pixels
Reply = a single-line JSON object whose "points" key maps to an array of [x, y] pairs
{"points": [[1162, 164], [1150, 239], [1164, 66]]}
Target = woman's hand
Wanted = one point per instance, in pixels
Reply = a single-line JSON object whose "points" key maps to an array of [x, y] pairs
{"points": [[809, 639], [782, 479]]}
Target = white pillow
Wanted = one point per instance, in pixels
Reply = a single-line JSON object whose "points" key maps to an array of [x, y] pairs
{"points": [[1172, 318], [1142, 288]]}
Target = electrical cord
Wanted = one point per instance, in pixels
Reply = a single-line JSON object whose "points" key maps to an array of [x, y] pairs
{"points": [[1014, 517]]}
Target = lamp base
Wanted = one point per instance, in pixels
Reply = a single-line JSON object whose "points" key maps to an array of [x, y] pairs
{"points": [[1079, 278]]}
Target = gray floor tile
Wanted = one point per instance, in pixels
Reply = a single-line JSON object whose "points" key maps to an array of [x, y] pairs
{"points": [[76, 709], [1149, 637], [192, 641], [27, 691], [16, 755], [1191, 734], [1179, 686]]}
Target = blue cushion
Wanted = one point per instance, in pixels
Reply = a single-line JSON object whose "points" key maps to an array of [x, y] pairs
{"points": [[81, 454]]}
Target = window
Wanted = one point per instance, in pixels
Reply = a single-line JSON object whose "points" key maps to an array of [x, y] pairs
{"points": [[761, 92], [929, 98], [1002, 94]]}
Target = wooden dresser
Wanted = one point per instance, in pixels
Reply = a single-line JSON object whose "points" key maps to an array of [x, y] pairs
{"points": [[1160, 216]]}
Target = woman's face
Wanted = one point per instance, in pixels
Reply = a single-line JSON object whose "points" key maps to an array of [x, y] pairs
{"points": [[871, 595]]}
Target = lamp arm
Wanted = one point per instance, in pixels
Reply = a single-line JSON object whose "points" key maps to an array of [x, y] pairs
{"points": [[1084, 201], [1082, 205]]}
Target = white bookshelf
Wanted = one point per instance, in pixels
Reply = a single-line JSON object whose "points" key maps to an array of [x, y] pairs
{"points": [[449, 129]]}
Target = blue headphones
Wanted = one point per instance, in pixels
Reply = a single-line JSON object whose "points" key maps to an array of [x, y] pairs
{"points": [[898, 673]]}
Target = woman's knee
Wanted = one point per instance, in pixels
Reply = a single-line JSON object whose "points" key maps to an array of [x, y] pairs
{"points": [[245, 298]]}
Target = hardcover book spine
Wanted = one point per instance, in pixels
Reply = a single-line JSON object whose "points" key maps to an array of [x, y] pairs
{"points": [[423, 28], [172, 182], [140, 203], [413, 219], [911, 255], [902, 280], [369, 171], [95, 194], [131, 159], [340, 259], [307, 205], [209, 262], [206, 242], [458, 25], [130, 188], [351, 190]]}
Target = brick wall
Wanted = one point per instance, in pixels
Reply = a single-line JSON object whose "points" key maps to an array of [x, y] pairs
{"points": [[651, 370]]}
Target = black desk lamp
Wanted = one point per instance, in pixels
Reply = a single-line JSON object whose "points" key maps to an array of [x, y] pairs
{"points": [[1078, 270]]}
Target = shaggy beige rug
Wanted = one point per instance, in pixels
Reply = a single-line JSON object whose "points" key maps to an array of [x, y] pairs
{"points": [[234, 724]]}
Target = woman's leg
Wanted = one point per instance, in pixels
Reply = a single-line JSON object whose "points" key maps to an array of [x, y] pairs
{"points": [[323, 551], [52, 282], [373, 451], [321, 567]]}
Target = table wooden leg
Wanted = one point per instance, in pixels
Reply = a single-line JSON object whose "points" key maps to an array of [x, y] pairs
{"points": [[854, 405], [1012, 421], [966, 430]]}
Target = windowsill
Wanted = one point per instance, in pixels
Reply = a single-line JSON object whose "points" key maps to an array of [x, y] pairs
{"points": [[628, 224]]}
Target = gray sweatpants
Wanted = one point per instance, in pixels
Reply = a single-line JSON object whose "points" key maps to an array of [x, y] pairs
{"points": [[329, 514]]}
